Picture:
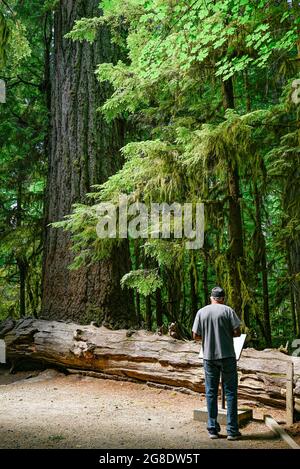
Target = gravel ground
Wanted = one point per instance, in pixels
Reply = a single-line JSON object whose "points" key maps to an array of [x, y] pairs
{"points": [[50, 410]]}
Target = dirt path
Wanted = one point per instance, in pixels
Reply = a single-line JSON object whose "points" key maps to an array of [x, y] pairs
{"points": [[57, 411]]}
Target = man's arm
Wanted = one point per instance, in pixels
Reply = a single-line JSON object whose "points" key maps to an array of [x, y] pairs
{"points": [[196, 329], [235, 323]]}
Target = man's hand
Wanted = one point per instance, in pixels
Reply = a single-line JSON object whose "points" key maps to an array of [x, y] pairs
{"points": [[196, 337], [236, 332]]}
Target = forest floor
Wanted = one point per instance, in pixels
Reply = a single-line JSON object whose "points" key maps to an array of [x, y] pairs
{"points": [[51, 410]]}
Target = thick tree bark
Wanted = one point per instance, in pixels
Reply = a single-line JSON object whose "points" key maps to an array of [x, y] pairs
{"points": [[145, 357], [84, 151]]}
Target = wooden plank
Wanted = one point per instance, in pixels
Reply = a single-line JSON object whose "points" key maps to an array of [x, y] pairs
{"points": [[276, 428], [243, 416], [290, 394]]}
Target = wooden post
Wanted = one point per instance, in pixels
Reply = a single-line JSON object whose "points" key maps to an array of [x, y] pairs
{"points": [[289, 393], [276, 428]]}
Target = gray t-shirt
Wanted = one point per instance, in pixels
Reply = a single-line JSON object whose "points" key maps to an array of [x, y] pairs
{"points": [[215, 324]]}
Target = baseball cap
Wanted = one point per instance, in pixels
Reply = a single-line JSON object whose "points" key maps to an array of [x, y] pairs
{"points": [[218, 292]]}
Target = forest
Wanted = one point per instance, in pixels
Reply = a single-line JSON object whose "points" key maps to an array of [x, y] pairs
{"points": [[161, 101]]}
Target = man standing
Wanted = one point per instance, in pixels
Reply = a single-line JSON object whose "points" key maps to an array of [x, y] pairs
{"points": [[217, 324]]}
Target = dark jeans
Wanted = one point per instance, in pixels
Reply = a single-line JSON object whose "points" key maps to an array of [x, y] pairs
{"points": [[213, 370]]}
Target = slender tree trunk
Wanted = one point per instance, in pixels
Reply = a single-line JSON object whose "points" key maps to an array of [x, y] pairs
{"points": [[193, 285], [137, 295], [21, 261], [293, 309], [247, 91], [260, 324], [262, 255], [184, 300], [294, 259], [138, 308], [31, 299], [293, 194], [84, 151], [236, 250], [48, 37], [159, 308], [174, 295], [22, 285], [235, 235], [148, 313], [205, 272]]}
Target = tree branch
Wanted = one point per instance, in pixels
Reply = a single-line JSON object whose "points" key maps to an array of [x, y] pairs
{"points": [[7, 6], [28, 82]]}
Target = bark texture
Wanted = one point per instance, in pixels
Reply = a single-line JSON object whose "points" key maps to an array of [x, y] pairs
{"points": [[146, 357], [84, 150]]}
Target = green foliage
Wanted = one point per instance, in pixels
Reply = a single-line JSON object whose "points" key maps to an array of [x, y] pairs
{"points": [[4, 38], [88, 248], [144, 281], [85, 29], [180, 143], [18, 47], [23, 124], [14, 45], [170, 40]]}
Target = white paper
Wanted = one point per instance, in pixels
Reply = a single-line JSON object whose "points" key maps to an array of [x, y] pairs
{"points": [[238, 343], [2, 352]]}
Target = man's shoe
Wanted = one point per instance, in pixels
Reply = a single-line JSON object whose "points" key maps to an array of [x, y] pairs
{"points": [[235, 437], [213, 435]]}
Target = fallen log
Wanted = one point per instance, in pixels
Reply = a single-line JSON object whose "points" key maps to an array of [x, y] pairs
{"points": [[144, 356]]}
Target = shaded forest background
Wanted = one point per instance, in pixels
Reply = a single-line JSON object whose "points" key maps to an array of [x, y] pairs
{"points": [[164, 101]]}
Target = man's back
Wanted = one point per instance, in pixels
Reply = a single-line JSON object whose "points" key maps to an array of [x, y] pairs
{"points": [[215, 323]]}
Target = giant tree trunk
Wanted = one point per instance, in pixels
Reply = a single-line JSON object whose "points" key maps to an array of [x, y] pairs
{"points": [[84, 151], [144, 356]]}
